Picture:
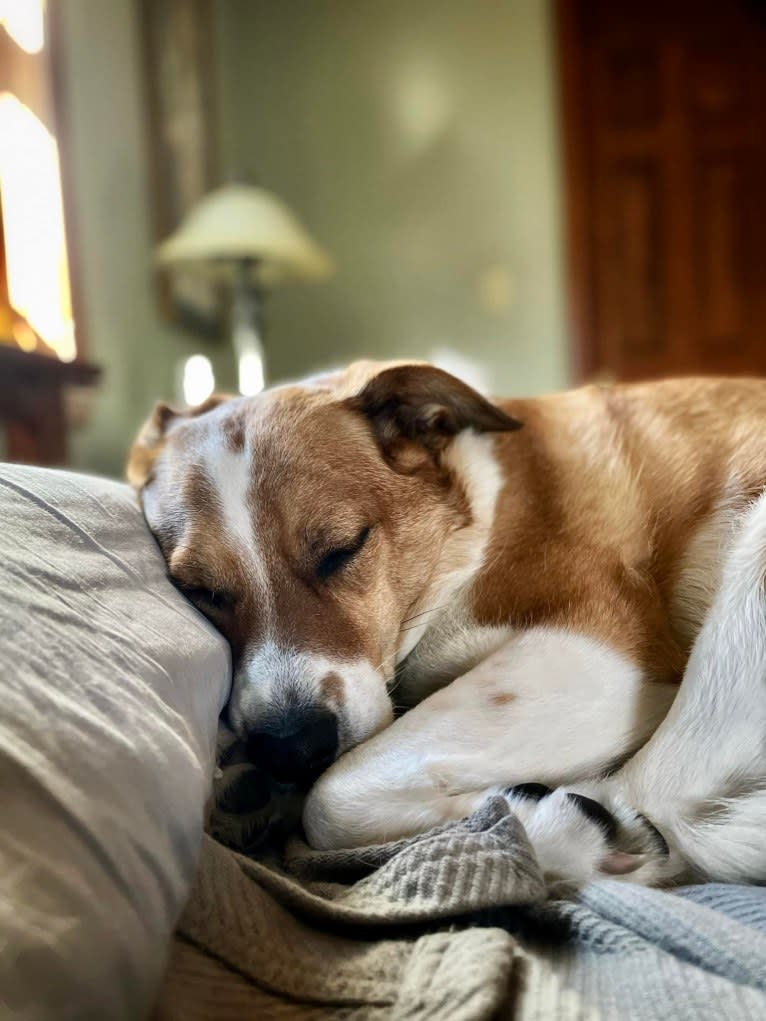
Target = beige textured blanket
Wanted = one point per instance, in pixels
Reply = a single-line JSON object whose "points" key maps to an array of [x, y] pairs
{"points": [[422, 929], [357, 934]]}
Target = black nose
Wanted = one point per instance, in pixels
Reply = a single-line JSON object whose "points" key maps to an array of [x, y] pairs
{"points": [[298, 757]]}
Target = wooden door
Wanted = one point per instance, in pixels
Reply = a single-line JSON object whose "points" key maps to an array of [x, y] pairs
{"points": [[664, 109]]}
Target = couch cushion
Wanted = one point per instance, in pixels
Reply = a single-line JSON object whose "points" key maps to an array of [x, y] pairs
{"points": [[110, 689]]}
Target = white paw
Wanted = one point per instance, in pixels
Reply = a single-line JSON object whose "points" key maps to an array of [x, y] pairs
{"points": [[577, 838]]}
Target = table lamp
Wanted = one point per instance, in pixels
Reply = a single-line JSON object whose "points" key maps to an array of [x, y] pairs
{"points": [[250, 239]]}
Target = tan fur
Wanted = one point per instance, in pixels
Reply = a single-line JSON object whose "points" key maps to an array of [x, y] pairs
{"points": [[606, 486], [332, 689], [501, 698]]}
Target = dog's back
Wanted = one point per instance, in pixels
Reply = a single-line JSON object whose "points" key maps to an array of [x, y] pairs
{"points": [[624, 494]]}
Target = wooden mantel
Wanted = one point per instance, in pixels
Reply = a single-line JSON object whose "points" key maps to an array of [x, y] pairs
{"points": [[32, 406]]}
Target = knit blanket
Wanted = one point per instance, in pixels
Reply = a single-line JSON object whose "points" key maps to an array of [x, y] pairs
{"points": [[454, 924]]}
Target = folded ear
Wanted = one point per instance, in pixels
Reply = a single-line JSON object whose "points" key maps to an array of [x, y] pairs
{"points": [[153, 433], [424, 404]]}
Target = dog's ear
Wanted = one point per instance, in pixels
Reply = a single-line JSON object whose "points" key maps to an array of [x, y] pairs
{"points": [[420, 403], [153, 433]]}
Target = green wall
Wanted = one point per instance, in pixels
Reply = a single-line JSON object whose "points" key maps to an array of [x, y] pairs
{"points": [[418, 141], [416, 138]]}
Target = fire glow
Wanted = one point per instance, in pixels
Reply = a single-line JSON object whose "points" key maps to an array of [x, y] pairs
{"points": [[33, 223], [24, 21]]}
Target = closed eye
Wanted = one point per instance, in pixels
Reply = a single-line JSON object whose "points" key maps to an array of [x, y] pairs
{"points": [[336, 559], [208, 600]]}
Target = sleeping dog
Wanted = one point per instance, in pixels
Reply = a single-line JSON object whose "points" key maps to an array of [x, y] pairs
{"points": [[532, 579]]}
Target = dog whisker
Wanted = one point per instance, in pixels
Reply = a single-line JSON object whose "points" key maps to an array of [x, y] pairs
{"points": [[412, 627], [422, 613], [386, 659]]}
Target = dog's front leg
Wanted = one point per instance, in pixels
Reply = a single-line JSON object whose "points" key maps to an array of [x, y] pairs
{"points": [[550, 705]]}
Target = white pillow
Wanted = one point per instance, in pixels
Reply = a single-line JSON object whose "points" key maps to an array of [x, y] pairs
{"points": [[110, 689]]}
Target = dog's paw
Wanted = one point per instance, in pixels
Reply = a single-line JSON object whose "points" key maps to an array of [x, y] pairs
{"points": [[249, 811], [577, 838]]}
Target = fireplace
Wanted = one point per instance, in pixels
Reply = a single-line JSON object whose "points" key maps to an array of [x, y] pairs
{"points": [[41, 349]]}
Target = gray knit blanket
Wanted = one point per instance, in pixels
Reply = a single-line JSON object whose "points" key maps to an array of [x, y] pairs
{"points": [[454, 925]]}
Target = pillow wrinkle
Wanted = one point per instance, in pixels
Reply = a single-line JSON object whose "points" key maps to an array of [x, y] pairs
{"points": [[111, 685]]}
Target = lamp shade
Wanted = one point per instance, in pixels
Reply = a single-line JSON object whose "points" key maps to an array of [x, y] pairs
{"points": [[241, 222]]}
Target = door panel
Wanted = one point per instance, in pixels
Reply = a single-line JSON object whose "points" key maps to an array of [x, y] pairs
{"points": [[665, 137], [631, 305]]}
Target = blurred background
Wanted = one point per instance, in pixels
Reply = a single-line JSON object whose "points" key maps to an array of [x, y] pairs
{"points": [[222, 193]]}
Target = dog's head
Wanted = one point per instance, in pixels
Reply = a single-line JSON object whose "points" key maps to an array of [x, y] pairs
{"points": [[315, 525]]}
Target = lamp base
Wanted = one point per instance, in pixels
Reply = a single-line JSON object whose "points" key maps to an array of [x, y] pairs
{"points": [[246, 332]]}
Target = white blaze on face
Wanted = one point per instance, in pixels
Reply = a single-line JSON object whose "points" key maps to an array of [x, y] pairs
{"points": [[230, 475], [270, 680]]}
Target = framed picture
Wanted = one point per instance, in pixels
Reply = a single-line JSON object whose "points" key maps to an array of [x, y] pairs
{"points": [[179, 72]]}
